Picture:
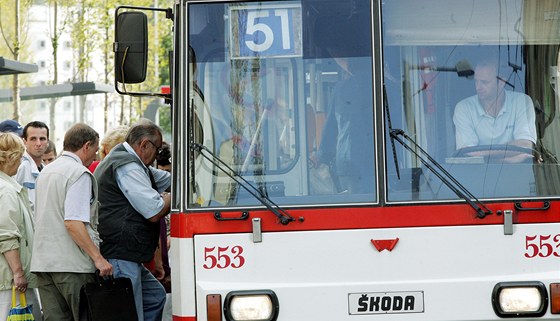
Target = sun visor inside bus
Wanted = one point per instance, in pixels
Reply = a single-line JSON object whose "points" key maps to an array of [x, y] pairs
{"points": [[206, 31], [336, 36], [131, 47]]}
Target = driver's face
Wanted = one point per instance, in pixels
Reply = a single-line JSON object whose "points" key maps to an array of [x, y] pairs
{"points": [[487, 84]]}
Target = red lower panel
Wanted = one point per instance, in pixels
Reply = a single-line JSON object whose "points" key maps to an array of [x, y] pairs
{"points": [[185, 225]]}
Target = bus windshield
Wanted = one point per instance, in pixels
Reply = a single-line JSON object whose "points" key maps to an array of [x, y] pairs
{"points": [[282, 102], [474, 83]]}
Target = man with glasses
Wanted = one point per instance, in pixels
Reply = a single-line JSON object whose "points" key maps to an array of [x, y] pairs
{"points": [[133, 201]]}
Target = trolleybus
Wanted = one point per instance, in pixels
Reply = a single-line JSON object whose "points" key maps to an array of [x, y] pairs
{"points": [[361, 159]]}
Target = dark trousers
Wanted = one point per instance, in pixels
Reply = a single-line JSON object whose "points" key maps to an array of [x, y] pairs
{"points": [[60, 294]]}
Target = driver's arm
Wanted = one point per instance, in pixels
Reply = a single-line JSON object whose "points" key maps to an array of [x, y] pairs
{"points": [[522, 143], [519, 157], [525, 131]]}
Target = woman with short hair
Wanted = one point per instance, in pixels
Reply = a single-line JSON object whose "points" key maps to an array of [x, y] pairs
{"points": [[16, 229]]}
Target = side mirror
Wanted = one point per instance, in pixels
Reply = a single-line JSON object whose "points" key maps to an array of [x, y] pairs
{"points": [[131, 47]]}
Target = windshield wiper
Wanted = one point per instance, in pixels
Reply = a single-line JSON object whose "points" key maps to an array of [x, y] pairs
{"points": [[282, 215], [448, 179], [481, 210], [386, 106]]}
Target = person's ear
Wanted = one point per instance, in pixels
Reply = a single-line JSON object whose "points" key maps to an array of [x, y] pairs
{"points": [[144, 143]]}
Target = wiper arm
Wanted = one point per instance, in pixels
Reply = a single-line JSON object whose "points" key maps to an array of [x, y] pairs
{"points": [[448, 179], [282, 215]]}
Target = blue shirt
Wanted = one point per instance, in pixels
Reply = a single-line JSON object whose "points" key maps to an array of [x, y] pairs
{"points": [[134, 182]]}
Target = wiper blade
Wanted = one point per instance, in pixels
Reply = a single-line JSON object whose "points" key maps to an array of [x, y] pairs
{"points": [[282, 215], [386, 105], [448, 179]]}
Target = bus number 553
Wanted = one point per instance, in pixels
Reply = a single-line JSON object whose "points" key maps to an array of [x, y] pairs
{"points": [[542, 245], [223, 257]]}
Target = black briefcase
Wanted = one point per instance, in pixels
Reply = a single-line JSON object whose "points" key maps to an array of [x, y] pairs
{"points": [[109, 299]]}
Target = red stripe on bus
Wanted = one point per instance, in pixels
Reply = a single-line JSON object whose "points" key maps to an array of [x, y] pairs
{"points": [[186, 225], [178, 318]]}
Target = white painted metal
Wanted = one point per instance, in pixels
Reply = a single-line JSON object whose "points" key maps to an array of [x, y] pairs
{"points": [[313, 273]]}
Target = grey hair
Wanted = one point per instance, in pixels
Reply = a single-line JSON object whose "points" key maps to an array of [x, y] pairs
{"points": [[145, 128]]}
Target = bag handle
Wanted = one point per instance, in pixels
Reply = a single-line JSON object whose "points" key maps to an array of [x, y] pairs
{"points": [[100, 279], [22, 300]]}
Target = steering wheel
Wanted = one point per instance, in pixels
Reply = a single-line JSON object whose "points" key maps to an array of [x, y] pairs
{"points": [[499, 153]]}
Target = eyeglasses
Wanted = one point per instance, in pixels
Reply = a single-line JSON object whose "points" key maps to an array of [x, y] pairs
{"points": [[158, 149]]}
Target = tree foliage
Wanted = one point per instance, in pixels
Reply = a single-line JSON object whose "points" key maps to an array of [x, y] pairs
{"points": [[91, 25], [12, 25]]}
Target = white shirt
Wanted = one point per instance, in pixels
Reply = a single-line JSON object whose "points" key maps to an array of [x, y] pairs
{"points": [[27, 175], [78, 198], [516, 120]]}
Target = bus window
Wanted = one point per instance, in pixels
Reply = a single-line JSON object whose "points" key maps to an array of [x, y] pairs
{"points": [[287, 106], [468, 89]]}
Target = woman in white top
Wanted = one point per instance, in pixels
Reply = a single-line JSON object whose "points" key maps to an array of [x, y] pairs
{"points": [[16, 229]]}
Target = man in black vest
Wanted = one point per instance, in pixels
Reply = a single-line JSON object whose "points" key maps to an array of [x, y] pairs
{"points": [[133, 201]]}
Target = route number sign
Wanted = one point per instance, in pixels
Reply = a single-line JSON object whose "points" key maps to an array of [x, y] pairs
{"points": [[265, 31]]}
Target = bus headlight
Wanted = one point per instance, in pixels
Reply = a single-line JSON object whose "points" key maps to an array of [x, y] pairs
{"points": [[257, 305], [519, 299]]}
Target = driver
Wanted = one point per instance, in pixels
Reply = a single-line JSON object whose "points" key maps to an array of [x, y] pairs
{"points": [[495, 116]]}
